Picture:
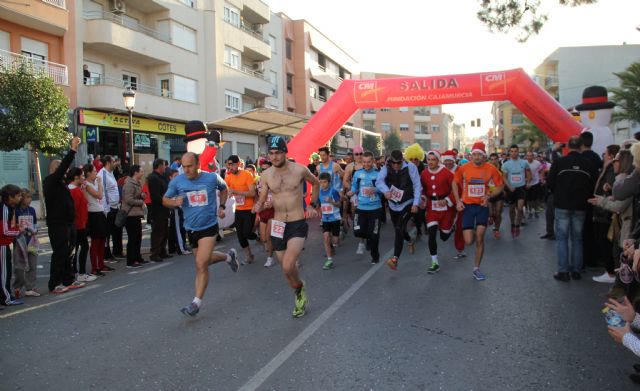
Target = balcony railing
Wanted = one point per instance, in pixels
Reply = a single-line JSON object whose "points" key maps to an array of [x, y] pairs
{"points": [[101, 80], [58, 3], [329, 73], [127, 22], [246, 29], [248, 71], [58, 72]]}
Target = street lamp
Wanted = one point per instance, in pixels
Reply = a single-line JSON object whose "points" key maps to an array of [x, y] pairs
{"points": [[129, 96]]}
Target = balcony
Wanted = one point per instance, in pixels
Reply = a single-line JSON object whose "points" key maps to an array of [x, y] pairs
{"points": [[369, 115], [106, 93], [551, 83], [320, 74], [256, 85], [58, 72], [49, 16], [422, 136], [256, 11], [114, 35], [254, 45]]}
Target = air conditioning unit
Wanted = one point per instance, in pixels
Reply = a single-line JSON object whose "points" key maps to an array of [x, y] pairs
{"points": [[258, 66], [118, 6]]}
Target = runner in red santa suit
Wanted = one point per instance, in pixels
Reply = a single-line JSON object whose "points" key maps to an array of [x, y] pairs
{"points": [[449, 161], [441, 214]]}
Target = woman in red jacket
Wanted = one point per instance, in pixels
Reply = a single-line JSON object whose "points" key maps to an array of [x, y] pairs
{"points": [[81, 206]]}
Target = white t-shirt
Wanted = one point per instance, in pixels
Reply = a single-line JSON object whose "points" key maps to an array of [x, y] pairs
{"points": [[535, 167], [94, 205]]}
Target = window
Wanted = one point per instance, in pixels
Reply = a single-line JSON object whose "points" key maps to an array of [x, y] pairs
{"points": [[289, 83], [425, 144], [165, 89], [313, 91], [421, 111], [96, 72], [273, 79], [130, 80], [421, 128], [385, 110], [516, 118], [183, 36], [435, 110], [435, 128], [404, 127], [435, 146], [288, 49], [185, 89], [323, 93], [385, 126], [273, 44], [189, 3], [232, 15], [5, 41], [322, 61], [369, 125], [232, 57], [232, 101], [37, 51], [244, 150], [404, 109]]}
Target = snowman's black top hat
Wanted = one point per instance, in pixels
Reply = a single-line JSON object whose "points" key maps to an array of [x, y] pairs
{"points": [[197, 129], [595, 98]]}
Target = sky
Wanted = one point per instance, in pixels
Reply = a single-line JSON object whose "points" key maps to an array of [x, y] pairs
{"points": [[433, 37]]}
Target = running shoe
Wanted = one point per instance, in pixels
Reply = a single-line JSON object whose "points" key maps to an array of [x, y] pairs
{"points": [[392, 263], [76, 285], [233, 262], [460, 255], [496, 234], [301, 303], [32, 293], [60, 289], [16, 302], [248, 260], [374, 261], [134, 265], [604, 278], [98, 273], [478, 275], [191, 310], [434, 268], [328, 264], [269, 262], [360, 250]]}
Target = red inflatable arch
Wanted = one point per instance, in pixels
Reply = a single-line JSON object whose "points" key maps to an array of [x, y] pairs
{"points": [[514, 85]]}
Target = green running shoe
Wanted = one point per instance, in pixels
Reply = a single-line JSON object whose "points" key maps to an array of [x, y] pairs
{"points": [[328, 264], [434, 268], [301, 303]]}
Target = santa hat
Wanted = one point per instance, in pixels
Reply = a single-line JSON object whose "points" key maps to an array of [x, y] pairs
{"points": [[478, 146], [434, 153], [449, 155]]}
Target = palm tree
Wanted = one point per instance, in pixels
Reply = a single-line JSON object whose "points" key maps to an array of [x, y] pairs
{"points": [[627, 97], [531, 133]]}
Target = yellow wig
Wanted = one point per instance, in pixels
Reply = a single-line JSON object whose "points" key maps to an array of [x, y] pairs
{"points": [[414, 151]]}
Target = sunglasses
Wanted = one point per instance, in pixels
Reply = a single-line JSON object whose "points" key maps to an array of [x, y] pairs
{"points": [[396, 162], [357, 154]]}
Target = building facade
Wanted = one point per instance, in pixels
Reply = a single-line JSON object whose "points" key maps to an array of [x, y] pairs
{"points": [[566, 72], [507, 120]]}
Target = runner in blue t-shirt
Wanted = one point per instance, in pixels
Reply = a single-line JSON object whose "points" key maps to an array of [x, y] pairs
{"points": [[516, 175], [195, 192], [330, 206]]}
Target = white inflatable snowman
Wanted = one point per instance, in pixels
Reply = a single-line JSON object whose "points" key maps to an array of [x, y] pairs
{"points": [[595, 115]]}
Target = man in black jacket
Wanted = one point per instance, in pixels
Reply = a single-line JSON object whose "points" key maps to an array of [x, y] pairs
{"points": [[60, 223], [158, 185], [572, 181]]}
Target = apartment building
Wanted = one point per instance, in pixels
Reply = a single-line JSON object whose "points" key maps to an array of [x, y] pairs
{"points": [[506, 121], [567, 71], [314, 67], [38, 33]]}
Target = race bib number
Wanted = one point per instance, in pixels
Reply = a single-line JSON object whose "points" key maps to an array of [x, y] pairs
{"points": [[239, 200], [327, 209], [198, 198], [370, 192], [476, 190], [277, 228], [516, 178], [438, 205], [396, 194]]}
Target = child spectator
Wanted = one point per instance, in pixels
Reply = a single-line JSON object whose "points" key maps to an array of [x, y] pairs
{"points": [[9, 230], [25, 248]]}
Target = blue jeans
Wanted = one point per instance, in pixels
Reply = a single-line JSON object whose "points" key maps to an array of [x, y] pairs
{"points": [[569, 225]]}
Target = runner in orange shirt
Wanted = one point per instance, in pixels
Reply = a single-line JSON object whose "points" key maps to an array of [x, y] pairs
{"points": [[242, 186], [471, 191]]}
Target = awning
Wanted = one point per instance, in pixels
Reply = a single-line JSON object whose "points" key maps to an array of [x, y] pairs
{"points": [[265, 121]]}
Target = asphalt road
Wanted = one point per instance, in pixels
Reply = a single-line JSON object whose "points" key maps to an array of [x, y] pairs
{"points": [[368, 328]]}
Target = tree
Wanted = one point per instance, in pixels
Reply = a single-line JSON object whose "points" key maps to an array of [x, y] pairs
{"points": [[372, 143], [531, 133], [627, 97], [392, 141], [523, 16], [33, 113]]}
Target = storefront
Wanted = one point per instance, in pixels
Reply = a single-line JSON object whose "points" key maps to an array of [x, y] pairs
{"points": [[108, 134]]}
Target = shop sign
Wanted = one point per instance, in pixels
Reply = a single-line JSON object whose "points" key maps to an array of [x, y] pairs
{"points": [[91, 134], [141, 140], [120, 121]]}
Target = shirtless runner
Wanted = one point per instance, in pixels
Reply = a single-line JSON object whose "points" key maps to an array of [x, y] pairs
{"points": [[288, 228]]}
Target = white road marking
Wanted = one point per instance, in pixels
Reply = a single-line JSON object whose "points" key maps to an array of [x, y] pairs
{"points": [[22, 311], [120, 287], [263, 374], [148, 269]]}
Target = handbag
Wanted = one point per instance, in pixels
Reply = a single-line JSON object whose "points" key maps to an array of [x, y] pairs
{"points": [[121, 217]]}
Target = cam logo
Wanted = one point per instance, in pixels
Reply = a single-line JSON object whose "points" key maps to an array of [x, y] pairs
{"points": [[366, 92], [493, 84]]}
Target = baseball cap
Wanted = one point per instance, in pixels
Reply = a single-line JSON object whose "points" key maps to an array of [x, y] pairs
{"points": [[233, 159], [278, 143]]}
